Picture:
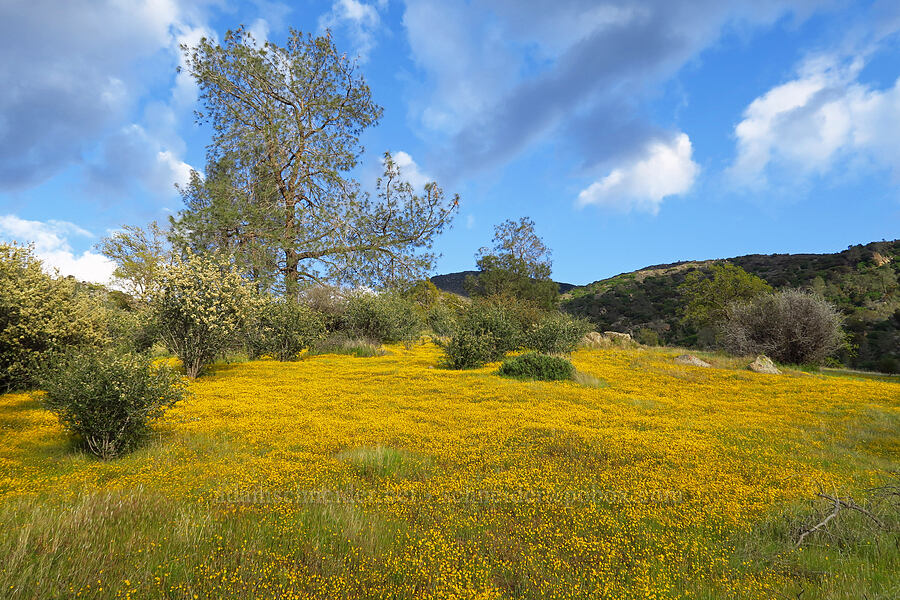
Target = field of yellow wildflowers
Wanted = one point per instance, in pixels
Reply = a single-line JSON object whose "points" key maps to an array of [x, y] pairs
{"points": [[390, 477]]}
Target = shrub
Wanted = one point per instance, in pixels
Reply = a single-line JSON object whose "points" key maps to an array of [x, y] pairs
{"points": [[469, 349], [283, 328], [329, 301], [200, 305], [488, 329], [792, 326], [108, 400], [386, 317], [647, 336], [557, 333], [40, 315], [533, 365]]}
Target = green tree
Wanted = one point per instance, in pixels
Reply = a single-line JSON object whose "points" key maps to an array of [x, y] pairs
{"points": [[287, 122], [517, 265], [140, 255], [708, 293]]}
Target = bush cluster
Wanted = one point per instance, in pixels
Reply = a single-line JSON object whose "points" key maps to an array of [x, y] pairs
{"points": [[534, 365], [793, 327], [493, 326], [108, 399], [557, 333], [283, 328], [40, 315], [386, 317]]}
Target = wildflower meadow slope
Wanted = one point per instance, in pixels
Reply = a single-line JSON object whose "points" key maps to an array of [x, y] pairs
{"points": [[390, 477]]}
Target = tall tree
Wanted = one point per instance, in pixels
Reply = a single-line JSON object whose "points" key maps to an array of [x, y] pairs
{"points": [[286, 127], [518, 264]]}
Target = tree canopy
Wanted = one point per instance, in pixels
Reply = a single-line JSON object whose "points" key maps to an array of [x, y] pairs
{"points": [[277, 193], [708, 295], [517, 264]]}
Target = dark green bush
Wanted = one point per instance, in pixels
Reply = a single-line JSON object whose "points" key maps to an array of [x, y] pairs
{"points": [[386, 317], [533, 365], [282, 328], [488, 329], [468, 349], [108, 400], [557, 333]]}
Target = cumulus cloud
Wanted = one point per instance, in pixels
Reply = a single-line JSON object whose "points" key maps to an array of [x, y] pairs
{"points": [[503, 75], [70, 80], [410, 171], [51, 245], [665, 169], [811, 123], [359, 19]]}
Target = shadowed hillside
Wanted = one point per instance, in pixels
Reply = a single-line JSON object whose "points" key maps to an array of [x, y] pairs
{"points": [[455, 283]]}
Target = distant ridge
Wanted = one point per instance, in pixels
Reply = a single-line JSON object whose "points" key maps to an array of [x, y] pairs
{"points": [[863, 281], [455, 283]]}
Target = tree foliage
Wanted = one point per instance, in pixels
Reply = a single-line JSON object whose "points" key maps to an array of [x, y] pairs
{"points": [[287, 122], [140, 255], [708, 294], [39, 316], [518, 265]]}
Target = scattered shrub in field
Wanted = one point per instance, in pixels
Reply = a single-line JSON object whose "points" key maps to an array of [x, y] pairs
{"points": [[792, 326], [199, 307], [40, 315], [109, 400], [557, 333], [488, 329], [339, 343], [468, 349], [384, 317], [283, 328], [533, 365]]}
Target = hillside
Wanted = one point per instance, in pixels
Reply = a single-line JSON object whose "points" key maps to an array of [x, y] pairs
{"points": [[863, 281], [455, 283]]}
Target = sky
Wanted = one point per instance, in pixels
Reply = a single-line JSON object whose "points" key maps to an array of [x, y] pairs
{"points": [[633, 132]]}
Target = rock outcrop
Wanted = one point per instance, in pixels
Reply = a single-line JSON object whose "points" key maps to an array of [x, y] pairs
{"points": [[763, 364], [690, 359]]}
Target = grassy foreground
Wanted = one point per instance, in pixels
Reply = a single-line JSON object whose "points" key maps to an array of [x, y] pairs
{"points": [[388, 477]]}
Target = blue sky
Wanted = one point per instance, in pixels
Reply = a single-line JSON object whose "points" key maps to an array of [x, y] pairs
{"points": [[632, 132]]}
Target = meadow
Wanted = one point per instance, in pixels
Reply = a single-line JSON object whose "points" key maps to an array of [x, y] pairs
{"points": [[390, 477]]}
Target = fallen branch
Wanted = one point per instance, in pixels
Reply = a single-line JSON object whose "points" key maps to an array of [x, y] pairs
{"points": [[839, 504]]}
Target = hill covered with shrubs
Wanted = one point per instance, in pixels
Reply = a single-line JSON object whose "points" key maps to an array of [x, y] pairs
{"points": [[863, 281]]}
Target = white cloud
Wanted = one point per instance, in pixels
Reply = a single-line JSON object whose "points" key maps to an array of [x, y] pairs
{"points": [[410, 171], [810, 124], [359, 19], [665, 169], [51, 245]]}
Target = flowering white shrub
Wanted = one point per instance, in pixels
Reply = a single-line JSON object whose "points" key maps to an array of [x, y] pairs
{"points": [[200, 305]]}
